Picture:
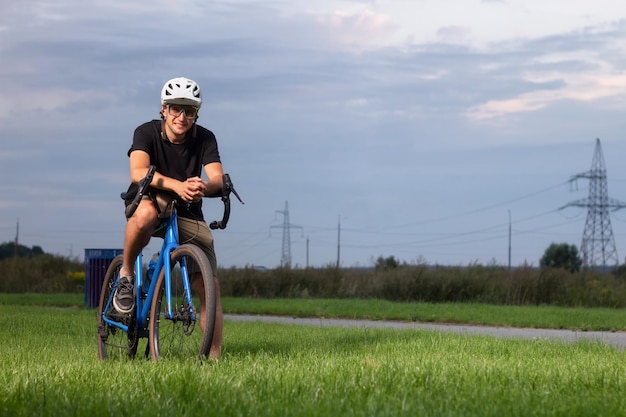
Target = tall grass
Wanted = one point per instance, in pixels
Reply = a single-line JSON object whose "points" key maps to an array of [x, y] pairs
{"points": [[49, 367], [474, 283], [438, 284], [44, 273]]}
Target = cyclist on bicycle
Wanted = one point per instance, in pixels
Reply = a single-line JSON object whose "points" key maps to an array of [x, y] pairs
{"points": [[180, 149]]}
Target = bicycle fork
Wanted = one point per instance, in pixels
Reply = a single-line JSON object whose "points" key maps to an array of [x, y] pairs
{"points": [[185, 312]]}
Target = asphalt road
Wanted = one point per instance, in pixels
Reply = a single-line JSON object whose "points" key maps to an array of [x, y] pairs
{"points": [[617, 339]]}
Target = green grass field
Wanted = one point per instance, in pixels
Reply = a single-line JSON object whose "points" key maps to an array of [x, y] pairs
{"points": [[49, 367], [547, 317]]}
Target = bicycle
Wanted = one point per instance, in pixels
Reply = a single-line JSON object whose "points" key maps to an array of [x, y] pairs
{"points": [[165, 311]]}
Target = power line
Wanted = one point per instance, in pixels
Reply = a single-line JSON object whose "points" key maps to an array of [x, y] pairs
{"points": [[481, 209]]}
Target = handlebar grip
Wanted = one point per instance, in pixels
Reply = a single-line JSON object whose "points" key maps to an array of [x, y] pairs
{"points": [[227, 188], [143, 187], [222, 223]]}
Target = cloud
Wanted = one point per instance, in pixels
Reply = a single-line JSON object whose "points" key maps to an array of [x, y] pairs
{"points": [[362, 30], [454, 34], [49, 99], [582, 66], [585, 88]]}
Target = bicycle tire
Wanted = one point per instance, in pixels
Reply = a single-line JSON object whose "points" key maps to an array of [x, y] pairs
{"points": [[178, 336], [113, 342]]}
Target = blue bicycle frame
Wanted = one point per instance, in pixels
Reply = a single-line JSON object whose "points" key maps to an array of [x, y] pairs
{"points": [[144, 297]]}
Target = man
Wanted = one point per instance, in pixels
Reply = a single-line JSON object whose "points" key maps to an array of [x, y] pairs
{"points": [[180, 149]]}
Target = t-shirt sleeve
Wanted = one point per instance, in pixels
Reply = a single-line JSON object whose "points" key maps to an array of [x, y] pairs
{"points": [[142, 140], [210, 152]]}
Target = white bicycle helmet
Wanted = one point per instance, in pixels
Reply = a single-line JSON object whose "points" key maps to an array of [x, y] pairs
{"points": [[181, 90]]}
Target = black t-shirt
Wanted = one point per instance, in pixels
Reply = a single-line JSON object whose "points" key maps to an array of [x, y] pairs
{"points": [[179, 161]]}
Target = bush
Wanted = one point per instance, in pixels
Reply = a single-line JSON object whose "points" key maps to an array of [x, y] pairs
{"points": [[407, 283], [43, 273]]}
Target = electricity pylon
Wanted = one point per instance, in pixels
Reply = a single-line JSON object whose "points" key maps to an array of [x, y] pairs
{"points": [[285, 259], [598, 243]]}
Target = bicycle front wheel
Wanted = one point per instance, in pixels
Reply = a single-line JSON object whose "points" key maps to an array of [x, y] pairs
{"points": [[184, 327], [113, 342]]}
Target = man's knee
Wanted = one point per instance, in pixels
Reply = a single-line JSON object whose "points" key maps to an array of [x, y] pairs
{"points": [[145, 217]]}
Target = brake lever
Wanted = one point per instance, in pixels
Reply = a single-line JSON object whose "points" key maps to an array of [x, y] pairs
{"points": [[228, 188]]}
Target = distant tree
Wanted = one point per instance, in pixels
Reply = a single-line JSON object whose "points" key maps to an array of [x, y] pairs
{"points": [[7, 250], [561, 255], [387, 263]]}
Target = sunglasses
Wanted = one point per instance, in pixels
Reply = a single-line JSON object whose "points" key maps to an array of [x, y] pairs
{"points": [[174, 110]]}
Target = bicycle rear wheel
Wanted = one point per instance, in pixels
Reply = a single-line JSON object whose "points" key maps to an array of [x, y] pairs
{"points": [[113, 342], [188, 330]]}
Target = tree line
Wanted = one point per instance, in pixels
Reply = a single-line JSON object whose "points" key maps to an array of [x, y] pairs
{"points": [[8, 250], [559, 280]]}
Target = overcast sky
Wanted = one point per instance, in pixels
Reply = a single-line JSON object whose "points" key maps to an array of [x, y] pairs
{"points": [[416, 128]]}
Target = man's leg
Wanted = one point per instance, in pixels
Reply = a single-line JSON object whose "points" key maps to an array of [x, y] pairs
{"points": [[216, 344], [198, 287], [202, 237], [137, 235], [139, 228]]}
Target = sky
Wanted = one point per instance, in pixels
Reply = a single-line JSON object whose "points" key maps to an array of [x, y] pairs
{"points": [[434, 131]]}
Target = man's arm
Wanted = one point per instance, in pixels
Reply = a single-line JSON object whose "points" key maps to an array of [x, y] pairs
{"points": [[139, 165], [192, 189], [214, 173]]}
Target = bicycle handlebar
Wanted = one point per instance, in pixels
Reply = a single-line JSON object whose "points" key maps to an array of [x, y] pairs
{"points": [[143, 187], [227, 188]]}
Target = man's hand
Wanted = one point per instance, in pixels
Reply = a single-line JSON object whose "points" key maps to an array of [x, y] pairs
{"points": [[192, 190]]}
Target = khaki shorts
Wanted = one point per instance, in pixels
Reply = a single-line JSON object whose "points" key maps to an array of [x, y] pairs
{"points": [[163, 202], [198, 233], [189, 230]]}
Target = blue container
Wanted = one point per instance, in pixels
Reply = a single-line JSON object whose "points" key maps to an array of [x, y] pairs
{"points": [[97, 262]]}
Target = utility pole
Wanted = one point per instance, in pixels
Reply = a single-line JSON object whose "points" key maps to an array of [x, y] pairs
{"points": [[285, 259], [598, 242], [17, 239], [338, 241], [509, 240]]}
